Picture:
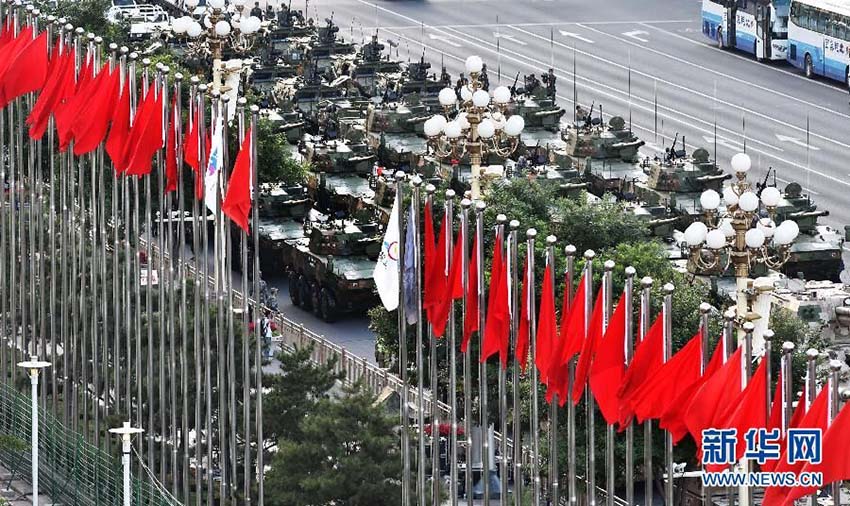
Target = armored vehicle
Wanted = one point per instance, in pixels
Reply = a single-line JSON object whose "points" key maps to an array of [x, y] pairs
{"points": [[326, 44], [395, 133], [414, 78], [816, 253], [367, 63], [332, 267], [340, 194], [535, 102], [336, 156], [606, 154], [281, 210]]}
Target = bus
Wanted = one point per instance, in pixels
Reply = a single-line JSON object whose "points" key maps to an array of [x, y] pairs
{"points": [[819, 38], [759, 27]]}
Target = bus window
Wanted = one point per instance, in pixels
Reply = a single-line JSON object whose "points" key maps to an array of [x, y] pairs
{"points": [[802, 19], [822, 16]]}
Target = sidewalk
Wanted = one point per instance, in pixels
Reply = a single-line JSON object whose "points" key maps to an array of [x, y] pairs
{"points": [[20, 493]]}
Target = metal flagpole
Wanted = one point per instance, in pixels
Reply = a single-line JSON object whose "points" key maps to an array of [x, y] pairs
{"points": [[453, 474], [433, 381], [643, 328], [162, 396], [4, 254], [667, 353], [482, 324], [833, 408], [503, 392], [530, 236], [812, 355], [221, 275], [136, 278], [416, 184], [704, 309], [197, 305], [608, 308], [148, 232], [402, 349], [465, 204], [258, 359], [745, 497], [590, 470], [570, 253], [516, 418], [729, 343], [629, 353], [246, 358]]}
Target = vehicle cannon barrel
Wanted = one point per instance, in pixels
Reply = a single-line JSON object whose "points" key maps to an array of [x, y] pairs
{"points": [[711, 179], [807, 214]]}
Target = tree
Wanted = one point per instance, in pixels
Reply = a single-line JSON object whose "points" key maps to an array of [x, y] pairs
{"points": [[347, 455], [295, 392], [91, 16], [275, 160]]}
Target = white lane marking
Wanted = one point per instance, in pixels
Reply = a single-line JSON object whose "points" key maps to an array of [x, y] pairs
{"points": [[794, 140], [691, 90], [574, 36], [737, 146], [443, 39], [595, 86], [801, 186], [636, 34], [509, 38], [740, 57], [727, 77], [417, 26]]}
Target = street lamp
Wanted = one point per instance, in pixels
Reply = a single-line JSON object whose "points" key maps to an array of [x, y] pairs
{"points": [[34, 365], [126, 432], [220, 25], [476, 125], [743, 234]]}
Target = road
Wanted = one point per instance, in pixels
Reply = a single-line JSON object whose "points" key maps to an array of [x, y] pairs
{"points": [[630, 56]]}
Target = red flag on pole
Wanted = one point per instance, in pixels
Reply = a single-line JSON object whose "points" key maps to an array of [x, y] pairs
{"points": [[547, 327], [497, 330], [647, 361], [677, 374], [608, 367], [430, 263], [453, 288], [569, 343], [748, 411], [237, 203], [27, 72], [171, 173], [9, 52], [69, 112], [815, 418], [98, 111], [835, 459], [470, 319], [588, 349], [145, 135], [714, 397], [58, 87], [521, 348], [119, 132]]}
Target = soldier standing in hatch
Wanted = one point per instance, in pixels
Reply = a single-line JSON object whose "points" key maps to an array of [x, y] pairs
{"points": [[484, 78], [550, 79], [461, 82], [257, 11]]}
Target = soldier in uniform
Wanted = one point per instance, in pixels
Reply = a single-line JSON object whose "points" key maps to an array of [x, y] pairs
{"points": [[484, 78], [461, 82], [445, 78], [257, 11], [550, 79]]}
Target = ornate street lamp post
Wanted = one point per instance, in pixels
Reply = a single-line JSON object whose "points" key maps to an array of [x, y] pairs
{"points": [[218, 28], [476, 125], [34, 366], [742, 235]]}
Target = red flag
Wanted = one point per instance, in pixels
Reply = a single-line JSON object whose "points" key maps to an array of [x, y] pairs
{"points": [[815, 418], [237, 203], [27, 71], [497, 330], [10, 51], [429, 264], [119, 132], [647, 361], [547, 327], [470, 319], [521, 348], [98, 112], [569, 343], [453, 289], [673, 419], [191, 148], [714, 397], [608, 367], [748, 411], [796, 418], [59, 86], [835, 459], [776, 407], [588, 349], [7, 33], [70, 111], [145, 135], [171, 174], [677, 374]]}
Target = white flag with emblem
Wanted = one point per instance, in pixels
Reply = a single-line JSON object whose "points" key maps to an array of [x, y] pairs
{"points": [[211, 174], [386, 270]]}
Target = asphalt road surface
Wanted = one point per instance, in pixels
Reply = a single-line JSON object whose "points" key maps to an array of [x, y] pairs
{"points": [[658, 42]]}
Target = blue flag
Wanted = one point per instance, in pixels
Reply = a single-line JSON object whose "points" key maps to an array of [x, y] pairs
{"points": [[409, 286]]}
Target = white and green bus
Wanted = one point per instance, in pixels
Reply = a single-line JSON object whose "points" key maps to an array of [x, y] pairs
{"points": [[819, 38], [759, 27]]}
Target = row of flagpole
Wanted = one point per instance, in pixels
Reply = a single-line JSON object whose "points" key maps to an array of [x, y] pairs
{"points": [[60, 262], [407, 268]]}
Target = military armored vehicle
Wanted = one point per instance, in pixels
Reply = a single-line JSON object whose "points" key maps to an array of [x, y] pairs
{"points": [[413, 79], [336, 156], [325, 44], [816, 253], [369, 61], [606, 154], [331, 271], [281, 211], [535, 102], [340, 194]]}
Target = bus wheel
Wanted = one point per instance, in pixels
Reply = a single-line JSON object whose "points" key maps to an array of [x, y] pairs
{"points": [[808, 67], [847, 77], [719, 38]]}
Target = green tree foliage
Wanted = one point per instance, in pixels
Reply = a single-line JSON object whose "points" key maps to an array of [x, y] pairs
{"points": [[91, 16], [295, 392], [347, 456], [275, 160]]}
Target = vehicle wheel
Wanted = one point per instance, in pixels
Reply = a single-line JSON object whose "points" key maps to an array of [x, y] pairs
{"points": [[808, 67], [294, 289], [316, 302], [847, 77], [719, 38], [304, 293], [329, 312]]}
